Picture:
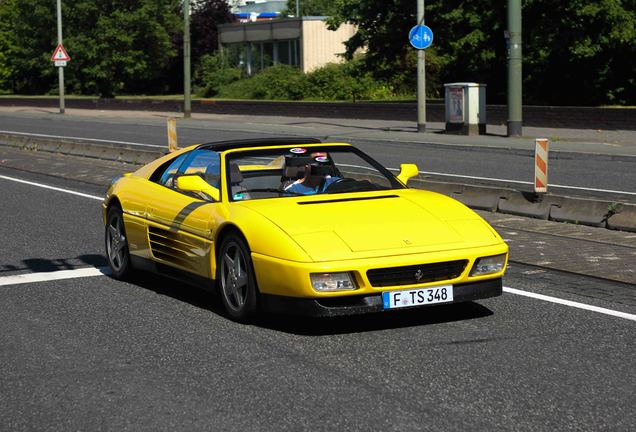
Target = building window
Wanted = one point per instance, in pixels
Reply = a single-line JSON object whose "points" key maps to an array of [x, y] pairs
{"points": [[256, 56]]}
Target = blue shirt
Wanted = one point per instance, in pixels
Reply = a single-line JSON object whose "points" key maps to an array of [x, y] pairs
{"points": [[300, 188]]}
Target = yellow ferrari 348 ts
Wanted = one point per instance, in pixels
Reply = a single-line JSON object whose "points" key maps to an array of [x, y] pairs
{"points": [[299, 226]]}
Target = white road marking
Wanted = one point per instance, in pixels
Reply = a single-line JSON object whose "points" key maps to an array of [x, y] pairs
{"points": [[82, 139], [570, 303], [55, 275], [503, 180], [52, 188]]}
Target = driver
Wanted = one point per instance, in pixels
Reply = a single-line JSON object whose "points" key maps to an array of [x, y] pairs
{"points": [[316, 178]]}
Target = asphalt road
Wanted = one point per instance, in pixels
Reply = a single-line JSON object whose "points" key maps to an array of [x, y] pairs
{"points": [[495, 165], [93, 353]]}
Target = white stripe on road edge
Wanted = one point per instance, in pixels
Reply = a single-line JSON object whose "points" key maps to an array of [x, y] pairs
{"points": [[52, 188], [82, 139], [571, 303], [55, 275], [506, 181]]}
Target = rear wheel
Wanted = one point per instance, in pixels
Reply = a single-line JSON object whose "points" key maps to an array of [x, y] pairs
{"points": [[236, 280], [117, 244]]}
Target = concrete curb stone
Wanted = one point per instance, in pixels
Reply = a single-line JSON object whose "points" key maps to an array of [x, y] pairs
{"points": [[528, 204], [624, 219], [582, 211], [81, 148]]}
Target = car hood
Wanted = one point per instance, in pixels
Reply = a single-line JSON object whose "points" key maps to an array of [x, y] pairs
{"points": [[338, 227]]}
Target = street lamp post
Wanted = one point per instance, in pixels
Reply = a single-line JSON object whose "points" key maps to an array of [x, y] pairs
{"points": [[421, 76], [187, 109], [514, 69], [59, 42]]}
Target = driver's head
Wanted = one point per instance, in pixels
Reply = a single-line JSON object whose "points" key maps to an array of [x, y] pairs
{"points": [[318, 168]]}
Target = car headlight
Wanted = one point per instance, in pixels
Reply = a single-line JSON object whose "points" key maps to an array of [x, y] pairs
{"points": [[488, 265], [332, 281]]}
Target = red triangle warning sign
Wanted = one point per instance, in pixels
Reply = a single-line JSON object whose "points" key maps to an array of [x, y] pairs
{"points": [[60, 54]]}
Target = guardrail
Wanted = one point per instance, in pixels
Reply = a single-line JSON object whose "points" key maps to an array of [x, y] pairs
{"points": [[536, 116]]}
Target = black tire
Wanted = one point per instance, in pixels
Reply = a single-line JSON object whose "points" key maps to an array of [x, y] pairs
{"points": [[116, 244], [235, 279]]}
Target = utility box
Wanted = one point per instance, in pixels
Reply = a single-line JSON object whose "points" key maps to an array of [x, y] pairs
{"points": [[465, 108]]}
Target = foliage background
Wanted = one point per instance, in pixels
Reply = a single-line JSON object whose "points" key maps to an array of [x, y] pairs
{"points": [[579, 52]]}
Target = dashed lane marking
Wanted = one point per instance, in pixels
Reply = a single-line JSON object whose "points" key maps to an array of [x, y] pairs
{"points": [[55, 275], [570, 303], [68, 191], [66, 274]]}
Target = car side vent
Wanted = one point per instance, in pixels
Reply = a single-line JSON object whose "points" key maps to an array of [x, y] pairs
{"points": [[167, 246]]}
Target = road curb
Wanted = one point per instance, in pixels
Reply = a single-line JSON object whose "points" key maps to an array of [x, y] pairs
{"points": [[606, 214]]}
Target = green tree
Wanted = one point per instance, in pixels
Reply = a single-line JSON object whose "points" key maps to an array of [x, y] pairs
{"points": [[115, 45], [206, 16], [29, 29], [120, 46], [580, 52], [576, 52], [7, 15], [383, 33], [214, 72]]}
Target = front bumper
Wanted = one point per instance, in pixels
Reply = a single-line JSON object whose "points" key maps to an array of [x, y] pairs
{"points": [[359, 304]]}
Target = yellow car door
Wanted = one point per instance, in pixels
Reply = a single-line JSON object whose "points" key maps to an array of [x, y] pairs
{"points": [[181, 225]]}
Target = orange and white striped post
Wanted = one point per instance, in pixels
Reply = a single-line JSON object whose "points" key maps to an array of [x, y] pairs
{"points": [[541, 165], [172, 134]]}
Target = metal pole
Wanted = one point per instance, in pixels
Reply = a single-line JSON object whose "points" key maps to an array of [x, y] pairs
{"points": [[187, 110], [421, 76], [297, 8], [514, 69], [60, 68]]}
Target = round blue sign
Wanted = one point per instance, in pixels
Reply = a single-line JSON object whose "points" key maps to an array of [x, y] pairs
{"points": [[421, 36]]}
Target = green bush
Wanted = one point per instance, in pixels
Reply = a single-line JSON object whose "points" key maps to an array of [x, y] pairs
{"points": [[214, 73], [347, 81], [275, 82]]}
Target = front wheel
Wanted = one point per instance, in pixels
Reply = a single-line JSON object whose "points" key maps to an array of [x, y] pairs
{"points": [[117, 244], [236, 280]]}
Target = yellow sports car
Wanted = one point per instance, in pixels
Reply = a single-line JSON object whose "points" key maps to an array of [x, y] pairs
{"points": [[299, 226]]}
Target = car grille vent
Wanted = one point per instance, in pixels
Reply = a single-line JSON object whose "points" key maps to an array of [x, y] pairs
{"points": [[166, 246], [416, 274]]}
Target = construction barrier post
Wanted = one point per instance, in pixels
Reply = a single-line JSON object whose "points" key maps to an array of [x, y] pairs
{"points": [[541, 165], [172, 135]]}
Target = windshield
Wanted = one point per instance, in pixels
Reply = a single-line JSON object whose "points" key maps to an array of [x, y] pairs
{"points": [[298, 171]]}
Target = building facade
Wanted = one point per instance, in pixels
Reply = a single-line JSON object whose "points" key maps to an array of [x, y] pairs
{"points": [[304, 42]]}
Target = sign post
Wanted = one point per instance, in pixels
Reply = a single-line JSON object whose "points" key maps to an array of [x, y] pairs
{"points": [[421, 37], [187, 109], [60, 57]]}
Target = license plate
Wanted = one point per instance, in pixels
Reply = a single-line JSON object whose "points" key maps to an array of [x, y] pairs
{"points": [[417, 297]]}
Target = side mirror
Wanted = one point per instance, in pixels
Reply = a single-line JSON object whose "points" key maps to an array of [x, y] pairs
{"points": [[194, 183], [407, 171]]}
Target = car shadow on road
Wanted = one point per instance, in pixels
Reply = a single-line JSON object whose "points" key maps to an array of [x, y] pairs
{"points": [[44, 265], [375, 321], [308, 326]]}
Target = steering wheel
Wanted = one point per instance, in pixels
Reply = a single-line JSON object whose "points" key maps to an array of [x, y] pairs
{"points": [[340, 185]]}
